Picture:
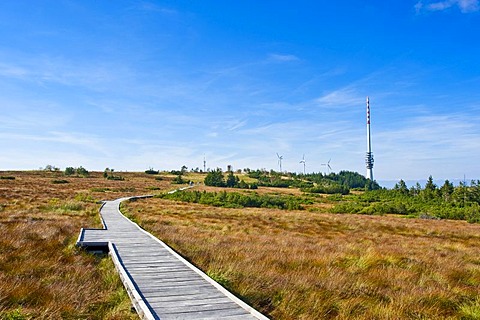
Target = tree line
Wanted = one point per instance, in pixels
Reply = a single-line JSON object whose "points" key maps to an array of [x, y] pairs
{"points": [[460, 202]]}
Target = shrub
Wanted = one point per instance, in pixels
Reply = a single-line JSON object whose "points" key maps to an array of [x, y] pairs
{"points": [[69, 171], [80, 171], [215, 179], [332, 188], [237, 200], [59, 181], [179, 180], [118, 178]]}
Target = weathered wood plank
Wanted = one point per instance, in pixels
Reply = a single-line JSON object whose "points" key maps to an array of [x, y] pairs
{"points": [[162, 284]]}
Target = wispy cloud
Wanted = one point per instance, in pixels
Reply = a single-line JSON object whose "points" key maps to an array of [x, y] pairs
{"points": [[465, 6], [432, 144], [153, 7], [44, 70], [282, 57], [341, 97], [12, 71]]}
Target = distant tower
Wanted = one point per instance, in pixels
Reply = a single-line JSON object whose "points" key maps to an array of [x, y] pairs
{"points": [[204, 164], [369, 156]]}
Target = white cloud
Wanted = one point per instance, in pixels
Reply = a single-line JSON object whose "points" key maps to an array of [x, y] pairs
{"points": [[12, 71], [152, 7], [436, 145], [342, 97], [465, 6], [283, 57]]}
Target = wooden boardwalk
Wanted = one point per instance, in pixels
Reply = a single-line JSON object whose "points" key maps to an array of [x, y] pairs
{"points": [[161, 284]]}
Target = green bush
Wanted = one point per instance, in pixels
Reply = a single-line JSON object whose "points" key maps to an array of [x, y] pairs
{"points": [[238, 200], [332, 188], [215, 179], [117, 178], [59, 181]]}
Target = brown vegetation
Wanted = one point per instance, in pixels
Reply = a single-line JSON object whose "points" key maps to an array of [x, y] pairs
{"points": [[287, 264], [310, 265], [42, 274]]}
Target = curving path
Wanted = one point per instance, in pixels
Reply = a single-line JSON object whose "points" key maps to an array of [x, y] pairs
{"points": [[161, 284]]}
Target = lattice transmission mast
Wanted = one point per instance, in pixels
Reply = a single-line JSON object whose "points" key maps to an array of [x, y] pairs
{"points": [[369, 155]]}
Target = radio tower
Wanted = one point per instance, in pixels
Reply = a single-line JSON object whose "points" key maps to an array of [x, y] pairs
{"points": [[369, 156]]}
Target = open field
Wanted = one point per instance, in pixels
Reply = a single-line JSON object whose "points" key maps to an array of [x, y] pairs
{"points": [[289, 264], [311, 265], [42, 274]]}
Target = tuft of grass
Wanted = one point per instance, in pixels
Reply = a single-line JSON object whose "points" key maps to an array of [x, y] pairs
{"points": [[220, 277], [16, 314], [470, 310]]}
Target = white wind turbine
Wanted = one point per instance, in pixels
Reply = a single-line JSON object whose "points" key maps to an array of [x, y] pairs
{"points": [[280, 158], [327, 165], [304, 162]]}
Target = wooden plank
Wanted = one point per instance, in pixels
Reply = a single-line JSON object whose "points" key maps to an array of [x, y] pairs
{"points": [[161, 284]]}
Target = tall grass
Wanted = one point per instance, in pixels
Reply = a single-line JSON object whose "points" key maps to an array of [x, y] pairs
{"points": [[42, 274], [305, 265]]}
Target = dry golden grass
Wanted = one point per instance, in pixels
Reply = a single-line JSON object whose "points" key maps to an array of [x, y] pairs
{"points": [[288, 264], [306, 265], [42, 274]]}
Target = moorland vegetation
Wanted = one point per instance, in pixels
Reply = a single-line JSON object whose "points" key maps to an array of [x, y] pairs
{"points": [[293, 246], [42, 274]]}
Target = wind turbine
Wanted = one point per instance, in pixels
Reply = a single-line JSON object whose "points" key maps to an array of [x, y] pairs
{"points": [[327, 165], [280, 158], [303, 161]]}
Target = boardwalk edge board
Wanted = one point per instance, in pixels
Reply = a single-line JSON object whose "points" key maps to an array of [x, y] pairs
{"points": [[140, 305]]}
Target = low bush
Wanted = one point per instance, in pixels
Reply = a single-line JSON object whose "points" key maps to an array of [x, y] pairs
{"points": [[238, 200], [117, 178], [60, 181]]}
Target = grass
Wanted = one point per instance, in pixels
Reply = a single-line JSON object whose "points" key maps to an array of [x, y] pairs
{"points": [[289, 264], [311, 265], [42, 274]]}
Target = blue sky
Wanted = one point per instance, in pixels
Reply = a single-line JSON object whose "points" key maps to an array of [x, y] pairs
{"points": [[136, 84]]}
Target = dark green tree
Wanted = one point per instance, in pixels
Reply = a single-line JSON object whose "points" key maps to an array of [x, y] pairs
{"points": [[430, 185], [231, 180], [401, 188], [215, 178], [447, 190], [430, 190]]}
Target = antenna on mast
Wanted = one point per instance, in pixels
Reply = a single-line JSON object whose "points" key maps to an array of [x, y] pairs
{"points": [[204, 164], [369, 155]]}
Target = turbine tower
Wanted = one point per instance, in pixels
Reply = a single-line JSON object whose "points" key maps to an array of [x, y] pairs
{"points": [[369, 155], [280, 158], [303, 161]]}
